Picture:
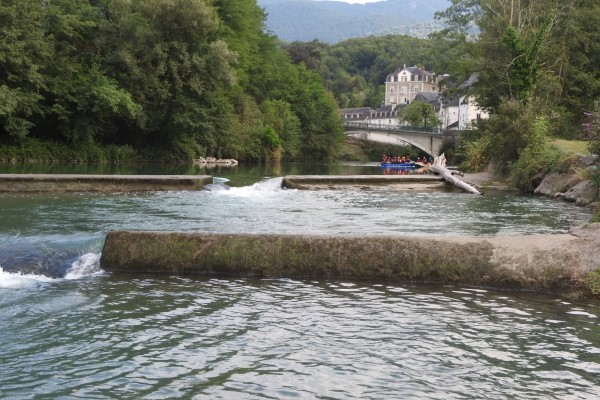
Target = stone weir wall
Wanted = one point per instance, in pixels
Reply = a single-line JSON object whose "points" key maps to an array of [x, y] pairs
{"points": [[99, 183], [565, 264]]}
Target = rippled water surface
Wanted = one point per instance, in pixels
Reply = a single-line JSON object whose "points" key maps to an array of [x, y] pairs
{"points": [[117, 337], [68, 330]]}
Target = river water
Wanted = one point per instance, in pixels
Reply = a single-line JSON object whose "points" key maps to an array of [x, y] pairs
{"points": [[69, 330]]}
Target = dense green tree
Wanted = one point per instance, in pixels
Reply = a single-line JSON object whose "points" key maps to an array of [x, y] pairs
{"points": [[311, 53], [283, 122], [168, 56], [547, 47], [420, 114], [82, 100], [580, 75], [321, 125], [24, 50]]}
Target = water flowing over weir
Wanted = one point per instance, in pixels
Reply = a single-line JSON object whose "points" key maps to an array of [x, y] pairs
{"points": [[78, 331]]}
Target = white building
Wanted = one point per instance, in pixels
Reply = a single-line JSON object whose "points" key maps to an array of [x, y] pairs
{"points": [[385, 115], [468, 110], [449, 112], [402, 86], [460, 112]]}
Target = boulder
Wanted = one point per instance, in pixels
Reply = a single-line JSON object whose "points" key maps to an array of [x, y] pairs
{"points": [[556, 183], [583, 194]]}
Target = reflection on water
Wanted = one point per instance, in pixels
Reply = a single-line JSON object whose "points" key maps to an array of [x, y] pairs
{"points": [[240, 175], [194, 338]]}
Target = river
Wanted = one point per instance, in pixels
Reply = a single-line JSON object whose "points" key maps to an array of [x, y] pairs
{"points": [[69, 330]]}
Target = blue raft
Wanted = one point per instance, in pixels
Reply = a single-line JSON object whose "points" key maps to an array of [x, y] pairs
{"points": [[405, 165]]}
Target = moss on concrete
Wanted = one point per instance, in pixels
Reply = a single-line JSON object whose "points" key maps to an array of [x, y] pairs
{"points": [[465, 261]]}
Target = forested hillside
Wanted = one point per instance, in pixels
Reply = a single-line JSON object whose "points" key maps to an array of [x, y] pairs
{"points": [[355, 70], [335, 21], [174, 78]]}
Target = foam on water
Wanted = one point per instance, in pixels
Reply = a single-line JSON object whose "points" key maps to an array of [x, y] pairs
{"points": [[217, 179], [18, 280], [267, 185], [86, 265]]}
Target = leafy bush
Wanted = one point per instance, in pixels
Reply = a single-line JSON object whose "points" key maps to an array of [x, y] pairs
{"points": [[593, 282], [535, 160]]}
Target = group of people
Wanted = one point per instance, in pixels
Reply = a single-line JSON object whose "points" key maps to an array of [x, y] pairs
{"points": [[405, 159]]}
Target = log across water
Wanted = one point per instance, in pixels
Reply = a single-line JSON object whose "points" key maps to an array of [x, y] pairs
{"points": [[551, 263]]}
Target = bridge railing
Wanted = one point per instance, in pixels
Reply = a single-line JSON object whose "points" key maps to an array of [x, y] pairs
{"points": [[392, 128]]}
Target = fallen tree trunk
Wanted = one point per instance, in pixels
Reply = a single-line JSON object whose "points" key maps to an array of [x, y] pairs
{"points": [[439, 167]]}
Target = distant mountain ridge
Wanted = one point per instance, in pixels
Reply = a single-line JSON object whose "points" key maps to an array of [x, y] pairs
{"points": [[335, 21]]}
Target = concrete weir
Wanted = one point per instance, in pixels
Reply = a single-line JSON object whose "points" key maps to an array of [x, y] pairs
{"points": [[370, 181], [560, 264], [99, 183]]}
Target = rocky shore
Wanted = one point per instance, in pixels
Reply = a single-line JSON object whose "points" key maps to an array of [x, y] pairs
{"points": [[572, 188]]}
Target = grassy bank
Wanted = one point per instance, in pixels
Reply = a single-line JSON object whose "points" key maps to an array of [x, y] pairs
{"points": [[580, 147]]}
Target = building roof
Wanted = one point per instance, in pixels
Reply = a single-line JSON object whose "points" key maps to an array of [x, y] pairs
{"points": [[356, 114], [428, 96], [473, 79], [387, 108], [356, 110], [413, 70]]}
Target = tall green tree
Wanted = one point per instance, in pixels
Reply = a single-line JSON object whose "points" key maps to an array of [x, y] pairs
{"points": [[24, 51], [82, 100], [169, 57], [580, 75], [419, 114]]}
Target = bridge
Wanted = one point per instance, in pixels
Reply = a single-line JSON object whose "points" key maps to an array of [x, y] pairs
{"points": [[427, 139]]}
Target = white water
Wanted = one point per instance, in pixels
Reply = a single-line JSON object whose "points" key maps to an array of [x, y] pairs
{"points": [[86, 265], [18, 280]]}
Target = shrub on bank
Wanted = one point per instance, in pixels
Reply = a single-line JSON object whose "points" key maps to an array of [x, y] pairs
{"points": [[536, 159], [35, 150]]}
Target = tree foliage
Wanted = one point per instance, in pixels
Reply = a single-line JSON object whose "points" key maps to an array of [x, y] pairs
{"points": [[185, 77], [542, 49], [537, 75], [419, 113]]}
